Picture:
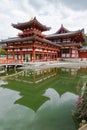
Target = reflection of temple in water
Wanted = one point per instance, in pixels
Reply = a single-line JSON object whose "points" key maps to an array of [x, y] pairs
{"points": [[73, 72], [32, 94], [40, 74], [83, 70], [70, 71]]}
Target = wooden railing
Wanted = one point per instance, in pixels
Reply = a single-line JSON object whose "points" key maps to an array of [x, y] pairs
{"points": [[10, 61], [29, 32]]}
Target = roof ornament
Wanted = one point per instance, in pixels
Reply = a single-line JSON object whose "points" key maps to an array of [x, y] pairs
{"points": [[34, 17], [83, 30], [61, 25], [31, 18]]}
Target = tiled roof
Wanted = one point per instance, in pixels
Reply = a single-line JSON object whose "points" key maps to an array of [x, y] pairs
{"points": [[18, 39], [33, 23], [63, 34]]}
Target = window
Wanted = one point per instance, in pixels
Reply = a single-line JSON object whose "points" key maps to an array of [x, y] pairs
{"points": [[65, 50]]}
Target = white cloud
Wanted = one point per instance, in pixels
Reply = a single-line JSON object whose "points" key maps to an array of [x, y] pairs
{"points": [[75, 4], [52, 13]]}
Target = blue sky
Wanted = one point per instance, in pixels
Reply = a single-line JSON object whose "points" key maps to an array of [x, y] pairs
{"points": [[71, 13]]}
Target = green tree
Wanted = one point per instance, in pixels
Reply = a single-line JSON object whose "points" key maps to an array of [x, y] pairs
{"points": [[85, 43]]}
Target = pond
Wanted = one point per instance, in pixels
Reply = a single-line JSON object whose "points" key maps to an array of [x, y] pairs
{"points": [[44, 105]]}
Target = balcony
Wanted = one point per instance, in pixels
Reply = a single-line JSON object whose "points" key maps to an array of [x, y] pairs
{"points": [[31, 32]]}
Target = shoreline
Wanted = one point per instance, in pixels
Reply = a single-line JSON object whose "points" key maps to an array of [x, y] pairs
{"points": [[58, 64]]}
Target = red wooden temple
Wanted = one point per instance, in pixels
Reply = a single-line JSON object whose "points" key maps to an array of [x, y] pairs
{"points": [[70, 41], [32, 45]]}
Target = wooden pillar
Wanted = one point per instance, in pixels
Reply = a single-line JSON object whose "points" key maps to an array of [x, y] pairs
{"points": [[76, 52], [30, 57], [59, 54], [43, 55], [13, 55], [56, 55], [53, 56], [34, 58], [50, 55], [70, 52], [47, 56], [20, 54]]}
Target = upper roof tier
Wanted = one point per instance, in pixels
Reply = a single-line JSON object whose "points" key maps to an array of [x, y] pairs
{"points": [[64, 33], [33, 23], [62, 29]]}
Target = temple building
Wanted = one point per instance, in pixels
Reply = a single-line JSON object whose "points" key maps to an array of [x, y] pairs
{"points": [[83, 52], [32, 45], [70, 41]]}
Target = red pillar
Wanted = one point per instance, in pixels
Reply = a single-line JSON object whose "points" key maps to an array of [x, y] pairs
{"points": [[47, 56], [77, 53], [56, 55], [70, 52], [50, 55], [30, 57], [34, 58], [43, 55], [13, 55], [20, 54]]}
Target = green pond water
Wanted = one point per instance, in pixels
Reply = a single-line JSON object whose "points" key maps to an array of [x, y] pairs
{"points": [[45, 105]]}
